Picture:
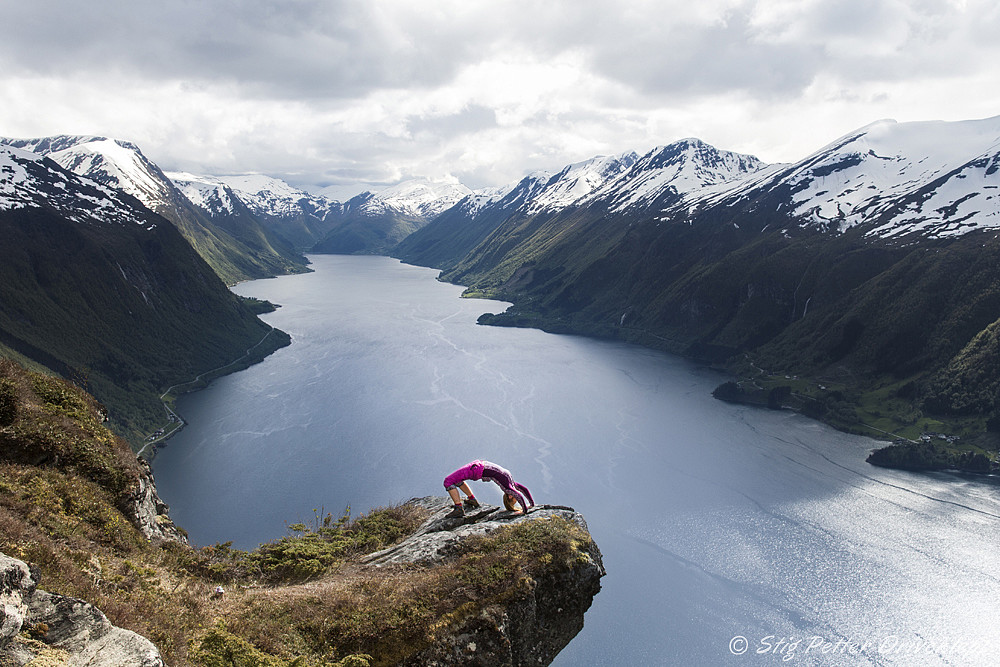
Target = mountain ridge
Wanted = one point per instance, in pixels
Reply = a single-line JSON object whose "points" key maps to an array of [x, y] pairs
{"points": [[779, 262], [101, 289], [238, 251]]}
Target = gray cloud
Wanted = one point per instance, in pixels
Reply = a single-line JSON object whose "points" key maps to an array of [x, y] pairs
{"points": [[707, 59], [472, 118], [367, 91], [295, 48]]}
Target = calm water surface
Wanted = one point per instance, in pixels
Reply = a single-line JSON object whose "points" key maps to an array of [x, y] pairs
{"points": [[731, 535]]}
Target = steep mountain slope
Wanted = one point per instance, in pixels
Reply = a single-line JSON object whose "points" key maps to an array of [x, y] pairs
{"points": [[297, 217], [238, 249], [372, 223], [870, 263], [582, 231], [456, 231], [104, 291]]}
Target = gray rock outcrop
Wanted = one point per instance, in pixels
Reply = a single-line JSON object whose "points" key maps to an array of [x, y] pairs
{"points": [[65, 630], [15, 583], [149, 513], [530, 626]]}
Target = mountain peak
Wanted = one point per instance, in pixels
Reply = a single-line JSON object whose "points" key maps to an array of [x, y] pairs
{"points": [[113, 162], [423, 198], [31, 180], [678, 168]]}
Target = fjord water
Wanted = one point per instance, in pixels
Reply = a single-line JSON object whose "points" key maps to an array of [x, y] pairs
{"points": [[731, 535]]}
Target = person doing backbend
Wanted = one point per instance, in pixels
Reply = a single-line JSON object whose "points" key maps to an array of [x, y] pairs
{"points": [[514, 493]]}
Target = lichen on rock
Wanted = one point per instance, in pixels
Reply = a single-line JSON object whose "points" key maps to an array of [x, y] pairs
{"points": [[62, 630]]}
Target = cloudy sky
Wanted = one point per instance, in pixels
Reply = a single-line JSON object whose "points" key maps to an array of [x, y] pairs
{"points": [[365, 93]]}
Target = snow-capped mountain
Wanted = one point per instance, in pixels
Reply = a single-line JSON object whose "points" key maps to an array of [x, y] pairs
{"points": [[625, 181], [545, 192], [306, 220], [683, 167], [265, 196], [934, 179], [576, 181], [511, 197], [30, 180], [216, 199], [483, 197], [419, 198], [273, 198], [237, 250], [115, 163]]}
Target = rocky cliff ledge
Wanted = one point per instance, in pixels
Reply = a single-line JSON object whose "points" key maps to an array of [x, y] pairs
{"points": [[527, 626], [148, 512], [493, 588], [399, 585]]}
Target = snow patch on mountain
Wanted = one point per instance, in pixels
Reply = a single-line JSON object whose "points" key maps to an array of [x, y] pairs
{"points": [[118, 164], [576, 181], [215, 198], [935, 179], [683, 167], [113, 162], [963, 200], [480, 199], [264, 195], [864, 175], [14, 179], [31, 180], [419, 198], [274, 198]]}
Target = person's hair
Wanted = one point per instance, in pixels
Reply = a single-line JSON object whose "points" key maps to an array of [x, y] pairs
{"points": [[510, 502]]}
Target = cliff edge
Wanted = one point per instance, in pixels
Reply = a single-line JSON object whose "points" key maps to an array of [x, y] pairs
{"points": [[527, 626]]}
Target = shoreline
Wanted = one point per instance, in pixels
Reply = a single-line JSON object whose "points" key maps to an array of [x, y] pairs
{"points": [[174, 420], [940, 458]]}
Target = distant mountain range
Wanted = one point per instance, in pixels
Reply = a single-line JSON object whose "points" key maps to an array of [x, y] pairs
{"points": [[368, 223], [238, 248], [871, 266]]}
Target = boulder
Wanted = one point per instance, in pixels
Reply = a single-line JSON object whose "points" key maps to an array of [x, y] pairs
{"points": [[16, 586], [65, 630]]}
